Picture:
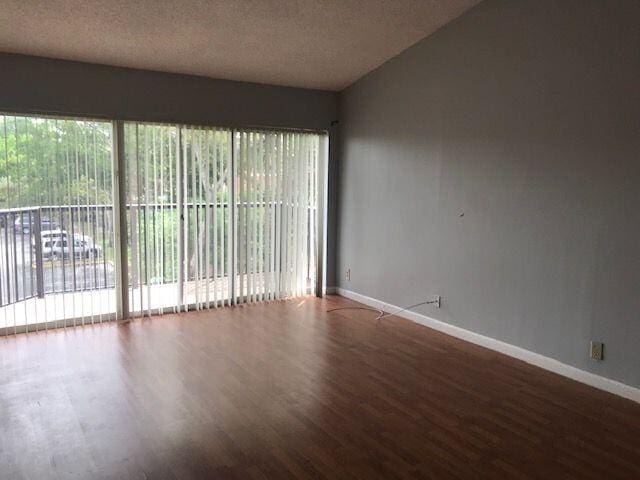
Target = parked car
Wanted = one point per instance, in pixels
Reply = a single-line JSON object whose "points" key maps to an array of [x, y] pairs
{"points": [[25, 223], [48, 235], [61, 248]]}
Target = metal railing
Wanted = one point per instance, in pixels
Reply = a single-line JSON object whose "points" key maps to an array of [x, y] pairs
{"points": [[54, 249], [70, 248]]}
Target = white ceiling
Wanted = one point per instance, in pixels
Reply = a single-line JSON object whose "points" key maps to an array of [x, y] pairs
{"points": [[325, 44]]}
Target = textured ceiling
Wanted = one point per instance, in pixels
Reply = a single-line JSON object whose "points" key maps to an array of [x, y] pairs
{"points": [[325, 44]]}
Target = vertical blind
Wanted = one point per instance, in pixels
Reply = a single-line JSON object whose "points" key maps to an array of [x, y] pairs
{"points": [[217, 216], [214, 217], [56, 223], [177, 198], [276, 176]]}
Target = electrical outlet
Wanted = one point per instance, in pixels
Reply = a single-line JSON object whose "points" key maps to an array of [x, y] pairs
{"points": [[348, 275], [437, 301], [596, 350]]}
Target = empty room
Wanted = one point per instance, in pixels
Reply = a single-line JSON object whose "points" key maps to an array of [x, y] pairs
{"points": [[323, 239]]}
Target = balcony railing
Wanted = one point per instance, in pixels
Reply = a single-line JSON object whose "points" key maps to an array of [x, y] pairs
{"points": [[54, 249], [70, 248]]}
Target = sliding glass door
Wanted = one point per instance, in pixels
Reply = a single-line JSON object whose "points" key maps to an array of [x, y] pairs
{"points": [[179, 228], [217, 216], [276, 178], [56, 223], [213, 217]]}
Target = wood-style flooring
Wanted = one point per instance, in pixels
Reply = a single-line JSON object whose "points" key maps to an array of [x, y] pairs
{"points": [[286, 390]]}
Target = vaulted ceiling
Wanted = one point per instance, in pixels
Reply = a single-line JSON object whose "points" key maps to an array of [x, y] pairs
{"points": [[323, 44]]}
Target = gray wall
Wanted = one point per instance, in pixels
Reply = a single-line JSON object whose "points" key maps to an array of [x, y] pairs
{"points": [[497, 163], [56, 86], [39, 85]]}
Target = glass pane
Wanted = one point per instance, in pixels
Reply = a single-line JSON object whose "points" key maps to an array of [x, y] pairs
{"points": [[178, 220], [276, 213], [55, 185]]}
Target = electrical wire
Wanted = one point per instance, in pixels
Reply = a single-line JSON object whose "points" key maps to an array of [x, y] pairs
{"points": [[381, 313], [384, 315]]}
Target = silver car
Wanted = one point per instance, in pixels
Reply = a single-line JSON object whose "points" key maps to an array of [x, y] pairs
{"points": [[60, 248]]}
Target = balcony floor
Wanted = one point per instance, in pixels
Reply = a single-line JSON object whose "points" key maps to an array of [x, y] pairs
{"points": [[96, 306]]}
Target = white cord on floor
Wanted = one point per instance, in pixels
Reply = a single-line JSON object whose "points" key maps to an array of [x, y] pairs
{"points": [[384, 315], [381, 313]]}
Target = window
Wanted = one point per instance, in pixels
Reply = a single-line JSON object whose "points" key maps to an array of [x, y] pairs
{"points": [[214, 217], [55, 180]]}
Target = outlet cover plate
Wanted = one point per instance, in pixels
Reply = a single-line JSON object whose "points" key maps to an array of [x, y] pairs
{"points": [[437, 299], [596, 350]]}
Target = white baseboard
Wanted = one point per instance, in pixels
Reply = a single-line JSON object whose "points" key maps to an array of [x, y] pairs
{"points": [[331, 290], [527, 356]]}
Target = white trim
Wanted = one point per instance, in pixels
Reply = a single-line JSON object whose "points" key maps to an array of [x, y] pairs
{"points": [[527, 356], [322, 202], [331, 291]]}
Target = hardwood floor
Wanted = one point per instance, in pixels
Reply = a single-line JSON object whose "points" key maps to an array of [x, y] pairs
{"points": [[286, 390]]}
